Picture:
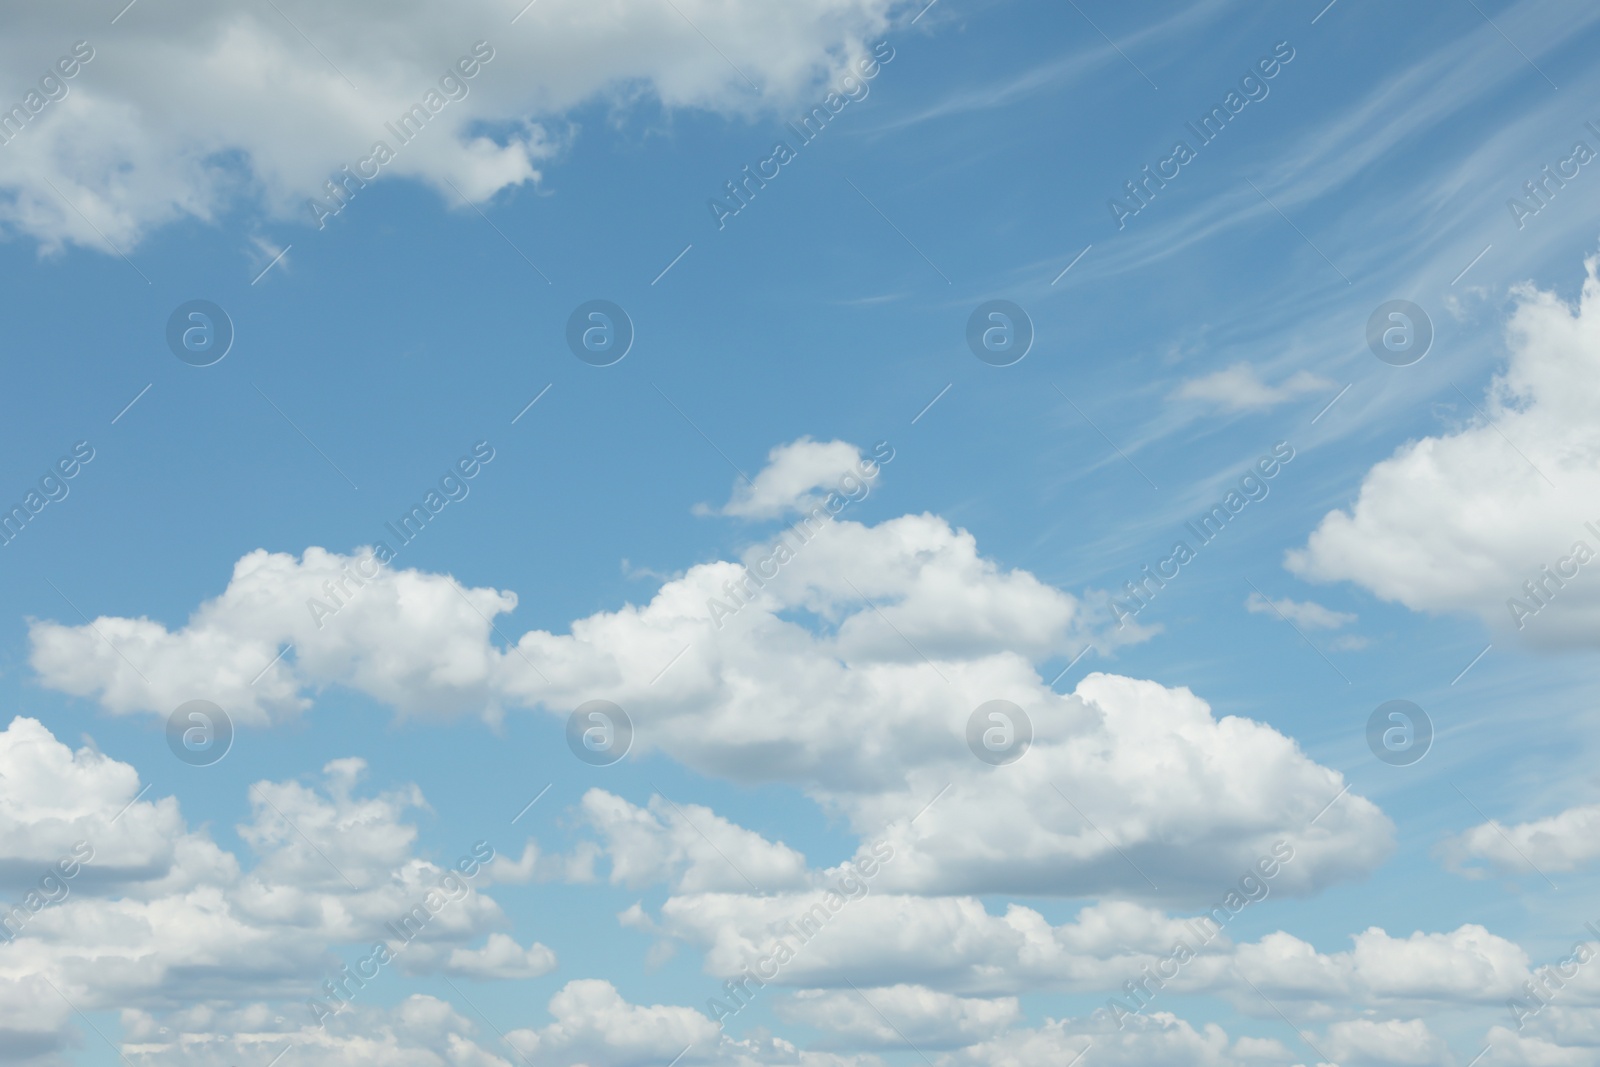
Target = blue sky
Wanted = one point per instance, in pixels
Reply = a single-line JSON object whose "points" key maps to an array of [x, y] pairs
{"points": [[820, 329]]}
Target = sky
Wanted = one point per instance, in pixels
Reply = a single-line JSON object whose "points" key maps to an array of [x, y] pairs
{"points": [[841, 534]]}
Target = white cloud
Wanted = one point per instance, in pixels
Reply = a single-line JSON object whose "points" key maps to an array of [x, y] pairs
{"points": [[55, 797], [1239, 387], [1460, 521], [537, 866], [688, 847], [420, 1031], [887, 1018], [501, 957], [1099, 802], [788, 483], [1306, 613], [408, 638], [1511, 1049], [296, 830], [1561, 1035], [156, 914], [867, 709], [947, 943], [212, 962], [191, 939], [1159, 1038], [1464, 966], [865, 706], [1392, 1043], [1563, 842], [954, 945], [186, 107], [591, 1024]]}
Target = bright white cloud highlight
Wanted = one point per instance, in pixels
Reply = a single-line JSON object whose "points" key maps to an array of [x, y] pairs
{"points": [[156, 914], [186, 107], [889, 1017], [794, 473], [865, 705], [1490, 519], [1563, 842]]}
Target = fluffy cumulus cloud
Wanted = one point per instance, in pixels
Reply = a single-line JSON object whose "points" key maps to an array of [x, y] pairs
{"points": [[846, 658], [438, 666], [1562, 1035], [1394, 1043], [688, 847], [1563, 842], [860, 962], [794, 473], [1468, 965], [889, 1017], [948, 966], [1159, 1038], [591, 1023], [420, 1032], [55, 798], [114, 901], [215, 958], [850, 668], [501, 957], [955, 946], [1493, 518], [952, 944], [178, 110]]}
